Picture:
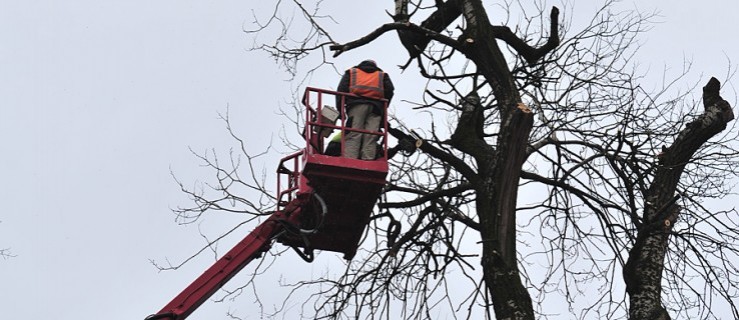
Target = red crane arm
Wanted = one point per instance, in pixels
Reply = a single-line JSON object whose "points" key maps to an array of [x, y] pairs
{"points": [[248, 249]]}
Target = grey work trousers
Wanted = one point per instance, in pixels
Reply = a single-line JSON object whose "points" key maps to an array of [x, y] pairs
{"points": [[358, 145]]}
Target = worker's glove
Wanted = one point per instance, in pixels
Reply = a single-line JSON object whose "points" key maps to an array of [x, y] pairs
{"points": [[407, 145]]}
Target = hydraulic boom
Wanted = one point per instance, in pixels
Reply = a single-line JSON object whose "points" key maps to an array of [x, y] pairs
{"points": [[250, 248]]}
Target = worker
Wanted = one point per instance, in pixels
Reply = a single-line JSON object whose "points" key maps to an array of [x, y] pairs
{"points": [[334, 145], [371, 84]]}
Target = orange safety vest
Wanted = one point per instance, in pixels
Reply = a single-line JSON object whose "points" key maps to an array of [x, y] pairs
{"points": [[365, 84]]}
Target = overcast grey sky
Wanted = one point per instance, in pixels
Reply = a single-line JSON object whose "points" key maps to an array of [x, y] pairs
{"points": [[99, 99]]}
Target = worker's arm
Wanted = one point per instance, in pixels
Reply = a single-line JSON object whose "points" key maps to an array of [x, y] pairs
{"points": [[342, 87], [389, 88]]}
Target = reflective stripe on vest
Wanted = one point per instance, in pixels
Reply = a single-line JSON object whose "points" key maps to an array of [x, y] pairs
{"points": [[367, 84]]}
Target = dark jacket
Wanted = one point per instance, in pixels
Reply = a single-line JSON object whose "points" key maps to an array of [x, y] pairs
{"points": [[366, 66]]}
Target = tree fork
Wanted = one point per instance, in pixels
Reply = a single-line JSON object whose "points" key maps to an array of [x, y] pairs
{"points": [[500, 168]]}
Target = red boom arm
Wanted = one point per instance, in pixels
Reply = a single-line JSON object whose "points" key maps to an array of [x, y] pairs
{"points": [[250, 248]]}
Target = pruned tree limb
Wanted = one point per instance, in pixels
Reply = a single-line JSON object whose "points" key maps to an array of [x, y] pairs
{"points": [[446, 157], [529, 53], [438, 21], [341, 48], [643, 270]]}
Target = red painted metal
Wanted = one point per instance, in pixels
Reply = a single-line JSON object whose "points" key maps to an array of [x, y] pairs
{"points": [[250, 248], [291, 176], [348, 188]]}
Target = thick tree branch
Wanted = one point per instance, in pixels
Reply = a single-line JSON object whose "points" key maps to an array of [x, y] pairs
{"points": [[529, 53], [469, 137], [341, 48], [643, 271], [445, 157], [438, 21]]}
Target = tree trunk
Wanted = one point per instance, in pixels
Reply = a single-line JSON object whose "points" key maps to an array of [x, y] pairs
{"points": [[499, 170], [643, 270]]}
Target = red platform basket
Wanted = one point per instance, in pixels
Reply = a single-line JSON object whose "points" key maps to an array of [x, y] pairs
{"points": [[347, 188]]}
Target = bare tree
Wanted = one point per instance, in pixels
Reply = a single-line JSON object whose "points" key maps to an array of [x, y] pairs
{"points": [[614, 176]]}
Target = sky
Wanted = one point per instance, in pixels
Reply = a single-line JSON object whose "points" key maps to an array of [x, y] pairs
{"points": [[100, 100]]}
